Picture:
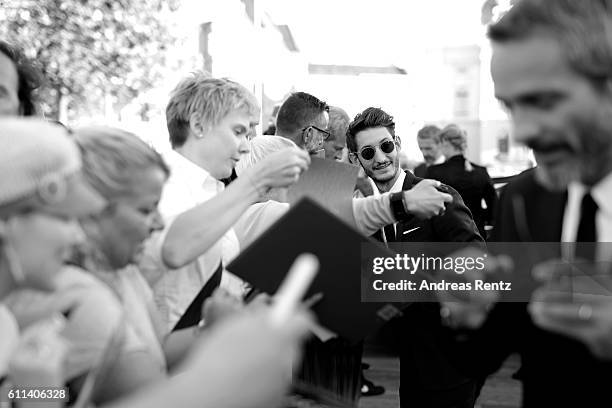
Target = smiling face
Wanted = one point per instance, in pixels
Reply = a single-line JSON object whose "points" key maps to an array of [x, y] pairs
{"points": [[557, 112], [383, 167]]}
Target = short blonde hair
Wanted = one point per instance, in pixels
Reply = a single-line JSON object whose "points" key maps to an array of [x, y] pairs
{"points": [[212, 98], [457, 138]]}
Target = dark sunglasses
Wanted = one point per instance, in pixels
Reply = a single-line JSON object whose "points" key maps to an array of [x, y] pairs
{"points": [[326, 134], [368, 152]]}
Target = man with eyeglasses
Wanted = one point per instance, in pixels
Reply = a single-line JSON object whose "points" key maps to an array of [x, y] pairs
{"points": [[304, 119], [427, 377]]}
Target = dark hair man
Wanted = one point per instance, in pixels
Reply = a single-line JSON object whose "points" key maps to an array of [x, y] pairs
{"points": [[304, 119]]}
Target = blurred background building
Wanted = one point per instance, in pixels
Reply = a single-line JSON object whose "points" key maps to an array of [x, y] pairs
{"points": [[422, 61]]}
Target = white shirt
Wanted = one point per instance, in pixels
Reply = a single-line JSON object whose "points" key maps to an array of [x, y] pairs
{"points": [[395, 188], [257, 219], [140, 313], [602, 194], [174, 289]]}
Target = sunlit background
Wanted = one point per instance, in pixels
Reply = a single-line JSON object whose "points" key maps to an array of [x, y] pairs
{"points": [[423, 61]]}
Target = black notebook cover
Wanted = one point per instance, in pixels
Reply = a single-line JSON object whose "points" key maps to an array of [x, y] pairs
{"points": [[307, 227], [193, 314]]}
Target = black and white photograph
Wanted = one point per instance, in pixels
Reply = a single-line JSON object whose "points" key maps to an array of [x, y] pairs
{"points": [[305, 203]]}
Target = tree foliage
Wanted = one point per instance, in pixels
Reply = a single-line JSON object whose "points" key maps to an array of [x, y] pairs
{"points": [[493, 9], [90, 50]]}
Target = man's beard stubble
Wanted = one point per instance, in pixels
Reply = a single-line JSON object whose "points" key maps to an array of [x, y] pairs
{"points": [[592, 159]]}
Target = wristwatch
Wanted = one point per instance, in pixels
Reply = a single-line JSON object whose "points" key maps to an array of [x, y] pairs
{"points": [[397, 206]]}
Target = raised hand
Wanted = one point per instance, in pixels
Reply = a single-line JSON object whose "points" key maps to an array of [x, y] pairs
{"points": [[424, 200]]}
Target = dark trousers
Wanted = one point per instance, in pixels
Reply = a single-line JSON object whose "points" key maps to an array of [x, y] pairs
{"points": [[461, 396]]}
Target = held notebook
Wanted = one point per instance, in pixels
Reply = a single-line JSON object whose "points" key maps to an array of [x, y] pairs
{"points": [[307, 227], [193, 314]]}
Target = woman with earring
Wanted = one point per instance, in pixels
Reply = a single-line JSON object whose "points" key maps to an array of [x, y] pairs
{"points": [[471, 180]]}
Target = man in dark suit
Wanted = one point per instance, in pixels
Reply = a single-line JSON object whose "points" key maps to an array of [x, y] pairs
{"points": [[551, 68], [427, 379], [429, 144], [469, 179]]}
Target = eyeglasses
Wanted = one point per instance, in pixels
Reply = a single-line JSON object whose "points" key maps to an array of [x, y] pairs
{"points": [[368, 152], [326, 134]]}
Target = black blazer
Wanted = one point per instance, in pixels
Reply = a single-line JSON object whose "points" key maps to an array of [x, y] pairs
{"points": [[556, 371], [455, 225], [420, 170], [419, 332], [474, 186]]}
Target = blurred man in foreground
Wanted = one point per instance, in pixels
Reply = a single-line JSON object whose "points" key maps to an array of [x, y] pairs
{"points": [[551, 69]]}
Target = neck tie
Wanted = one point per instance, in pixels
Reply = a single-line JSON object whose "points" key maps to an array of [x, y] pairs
{"points": [[587, 233]]}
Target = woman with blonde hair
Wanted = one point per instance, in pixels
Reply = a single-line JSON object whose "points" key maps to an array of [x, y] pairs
{"points": [[110, 300], [471, 180], [42, 193]]}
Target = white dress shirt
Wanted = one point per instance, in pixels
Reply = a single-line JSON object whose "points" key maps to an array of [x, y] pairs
{"points": [[174, 289], [190, 185], [395, 188], [602, 194]]}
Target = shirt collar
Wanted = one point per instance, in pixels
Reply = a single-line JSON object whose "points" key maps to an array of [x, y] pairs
{"points": [[440, 159], [397, 186], [601, 192], [192, 174]]}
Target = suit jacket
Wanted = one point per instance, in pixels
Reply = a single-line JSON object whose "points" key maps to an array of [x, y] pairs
{"points": [[455, 225], [474, 186], [419, 332], [556, 371], [420, 170]]}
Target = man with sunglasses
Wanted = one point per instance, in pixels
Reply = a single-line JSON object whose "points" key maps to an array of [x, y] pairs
{"points": [[304, 119], [427, 378]]}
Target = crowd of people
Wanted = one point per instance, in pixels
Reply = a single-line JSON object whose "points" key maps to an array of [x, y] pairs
{"points": [[105, 244]]}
